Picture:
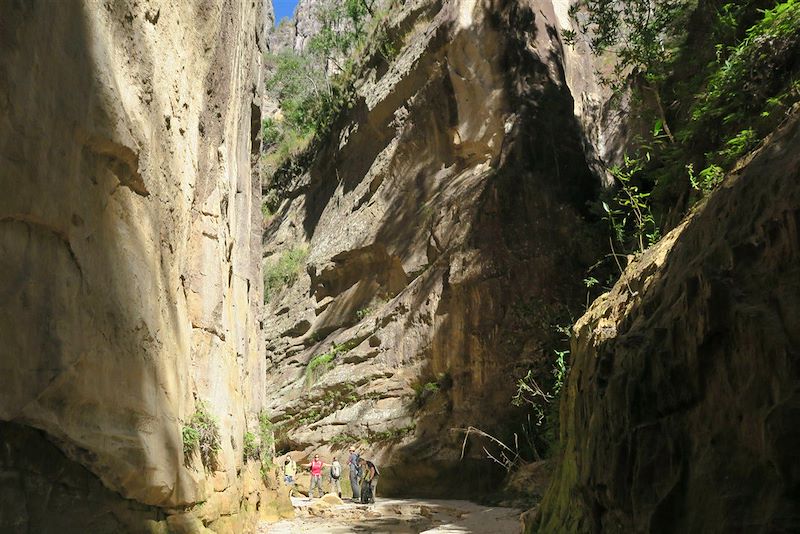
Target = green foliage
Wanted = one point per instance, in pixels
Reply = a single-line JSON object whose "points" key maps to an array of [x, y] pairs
{"points": [[250, 447], [643, 34], [756, 75], [392, 434], [315, 337], [589, 283], [738, 145], [284, 271], [343, 395], [751, 84], [707, 179], [334, 399], [343, 28], [727, 86], [371, 438], [363, 313], [266, 434], [306, 417], [343, 439], [425, 391], [191, 440], [260, 446], [560, 371], [539, 393], [318, 365], [315, 87], [297, 82], [270, 132], [202, 435], [629, 215], [270, 204]]}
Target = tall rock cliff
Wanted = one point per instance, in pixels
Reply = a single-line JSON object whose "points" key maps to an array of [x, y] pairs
{"points": [[682, 409], [440, 232], [129, 261]]}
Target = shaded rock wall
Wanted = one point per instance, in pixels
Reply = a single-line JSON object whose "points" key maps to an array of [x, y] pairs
{"points": [[129, 238], [446, 232], [683, 401]]}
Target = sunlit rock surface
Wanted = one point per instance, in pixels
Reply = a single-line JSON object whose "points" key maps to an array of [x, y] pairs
{"points": [[445, 224], [129, 253]]}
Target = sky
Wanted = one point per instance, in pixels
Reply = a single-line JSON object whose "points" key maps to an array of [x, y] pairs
{"points": [[283, 8]]}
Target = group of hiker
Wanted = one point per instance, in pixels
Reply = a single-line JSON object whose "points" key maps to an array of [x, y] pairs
{"points": [[363, 474]]}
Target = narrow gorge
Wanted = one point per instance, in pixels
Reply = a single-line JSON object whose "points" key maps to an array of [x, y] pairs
{"points": [[541, 255]]}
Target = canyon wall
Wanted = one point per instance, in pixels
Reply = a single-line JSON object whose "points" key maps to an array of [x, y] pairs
{"points": [[129, 262], [682, 405], [440, 234]]}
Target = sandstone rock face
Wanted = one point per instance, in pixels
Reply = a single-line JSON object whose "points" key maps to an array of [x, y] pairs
{"points": [[442, 230], [130, 240], [682, 405]]}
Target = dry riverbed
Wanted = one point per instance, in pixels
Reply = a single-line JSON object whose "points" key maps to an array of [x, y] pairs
{"points": [[330, 515]]}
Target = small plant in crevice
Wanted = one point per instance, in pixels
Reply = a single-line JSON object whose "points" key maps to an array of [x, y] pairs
{"points": [[266, 435], [250, 448], [191, 441], [334, 399], [372, 437], [260, 446], [270, 204], [284, 271], [343, 439], [706, 180], [308, 416], [202, 435], [540, 396], [391, 434], [321, 363], [362, 313], [589, 282], [630, 216], [424, 391], [318, 365], [343, 395]]}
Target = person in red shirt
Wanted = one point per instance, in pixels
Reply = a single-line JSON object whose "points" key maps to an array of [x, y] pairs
{"points": [[316, 466]]}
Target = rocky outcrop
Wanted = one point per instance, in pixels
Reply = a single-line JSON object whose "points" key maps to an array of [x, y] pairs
{"points": [[129, 257], [442, 229], [682, 405], [295, 34]]}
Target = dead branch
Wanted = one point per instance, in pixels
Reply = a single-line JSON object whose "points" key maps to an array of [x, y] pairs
{"points": [[507, 460]]}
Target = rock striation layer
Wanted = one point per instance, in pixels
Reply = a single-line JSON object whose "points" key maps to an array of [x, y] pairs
{"points": [[441, 228], [129, 260], [682, 405]]}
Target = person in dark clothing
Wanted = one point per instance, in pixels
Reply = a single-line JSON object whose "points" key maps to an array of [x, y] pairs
{"points": [[369, 482]]}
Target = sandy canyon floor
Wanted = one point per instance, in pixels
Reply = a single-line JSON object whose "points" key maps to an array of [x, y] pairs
{"points": [[331, 515]]}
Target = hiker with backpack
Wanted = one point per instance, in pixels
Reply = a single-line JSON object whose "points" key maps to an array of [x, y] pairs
{"points": [[355, 473], [336, 473], [369, 484]]}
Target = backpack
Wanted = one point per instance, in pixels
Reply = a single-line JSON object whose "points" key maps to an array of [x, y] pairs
{"points": [[336, 470], [354, 462], [375, 467]]}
